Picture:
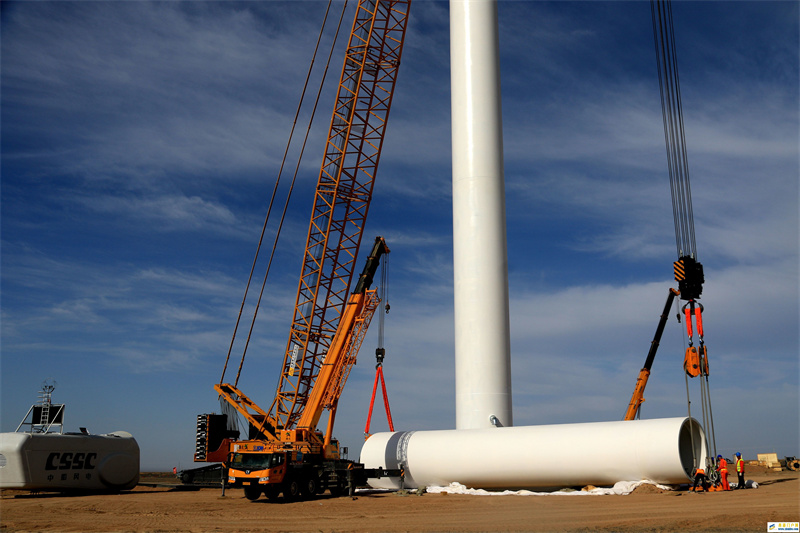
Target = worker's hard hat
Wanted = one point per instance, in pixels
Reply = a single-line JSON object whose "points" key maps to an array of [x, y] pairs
{"points": [[738, 454], [719, 457]]}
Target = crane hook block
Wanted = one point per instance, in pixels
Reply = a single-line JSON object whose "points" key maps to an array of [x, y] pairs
{"points": [[380, 353], [689, 275], [691, 362]]}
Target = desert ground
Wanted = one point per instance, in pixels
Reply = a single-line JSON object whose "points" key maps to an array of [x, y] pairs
{"points": [[153, 506]]}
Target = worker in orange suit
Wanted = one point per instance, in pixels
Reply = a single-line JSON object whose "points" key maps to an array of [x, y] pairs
{"points": [[722, 468], [740, 471], [700, 477]]}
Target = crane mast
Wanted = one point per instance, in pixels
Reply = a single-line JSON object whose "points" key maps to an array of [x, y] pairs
{"points": [[341, 204], [342, 198]]}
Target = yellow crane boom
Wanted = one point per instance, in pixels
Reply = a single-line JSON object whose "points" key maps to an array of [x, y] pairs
{"points": [[343, 195]]}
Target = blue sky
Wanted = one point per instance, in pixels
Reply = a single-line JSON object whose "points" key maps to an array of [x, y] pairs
{"points": [[140, 144]]}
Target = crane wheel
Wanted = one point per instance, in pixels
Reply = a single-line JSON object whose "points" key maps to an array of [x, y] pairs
{"points": [[272, 493], [291, 491], [337, 490], [252, 492], [310, 486]]}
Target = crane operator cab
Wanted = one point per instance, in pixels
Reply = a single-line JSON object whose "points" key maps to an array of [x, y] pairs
{"points": [[258, 472], [295, 470]]}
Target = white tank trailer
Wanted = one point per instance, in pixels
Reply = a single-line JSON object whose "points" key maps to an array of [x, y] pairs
{"points": [[486, 450], [69, 461]]}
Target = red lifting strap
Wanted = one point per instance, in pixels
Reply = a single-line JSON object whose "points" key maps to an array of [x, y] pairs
{"points": [[698, 314], [696, 309], [379, 375], [688, 314]]}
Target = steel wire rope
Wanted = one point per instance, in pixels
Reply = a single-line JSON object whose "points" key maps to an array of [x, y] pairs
{"points": [[689, 414], [688, 212], [384, 289], [711, 418], [673, 96], [674, 133], [689, 405], [664, 115], [703, 408], [272, 200], [294, 176]]}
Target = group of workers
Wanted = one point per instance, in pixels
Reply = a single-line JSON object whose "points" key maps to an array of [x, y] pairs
{"points": [[700, 477]]}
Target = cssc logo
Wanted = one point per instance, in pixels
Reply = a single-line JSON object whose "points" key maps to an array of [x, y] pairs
{"points": [[70, 461]]}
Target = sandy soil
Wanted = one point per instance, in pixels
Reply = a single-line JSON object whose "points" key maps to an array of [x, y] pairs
{"points": [[646, 509]]}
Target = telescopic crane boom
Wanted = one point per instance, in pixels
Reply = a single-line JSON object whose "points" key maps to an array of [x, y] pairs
{"points": [[644, 374]]}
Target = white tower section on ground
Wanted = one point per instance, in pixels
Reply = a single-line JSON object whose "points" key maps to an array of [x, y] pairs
{"points": [[482, 343], [663, 450]]}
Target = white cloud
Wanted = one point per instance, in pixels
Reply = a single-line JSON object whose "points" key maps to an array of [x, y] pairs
{"points": [[163, 212]]}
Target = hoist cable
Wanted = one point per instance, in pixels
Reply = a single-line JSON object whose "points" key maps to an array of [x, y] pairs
{"points": [[689, 216], [269, 209], [689, 414], [384, 287], [710, 423], [674, 134], [294, 176], [380, 352], [271, 202]]}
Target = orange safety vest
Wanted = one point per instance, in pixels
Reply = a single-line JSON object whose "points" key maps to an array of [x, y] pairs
{"points": [[740, 465], [699, 471], [723, 466]]}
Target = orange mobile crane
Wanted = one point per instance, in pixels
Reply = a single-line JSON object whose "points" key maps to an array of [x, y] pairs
{"points": [[302, 461], [285, 452]]}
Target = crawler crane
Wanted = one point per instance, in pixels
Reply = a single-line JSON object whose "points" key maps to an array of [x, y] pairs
{"points": [[285, 453]]}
